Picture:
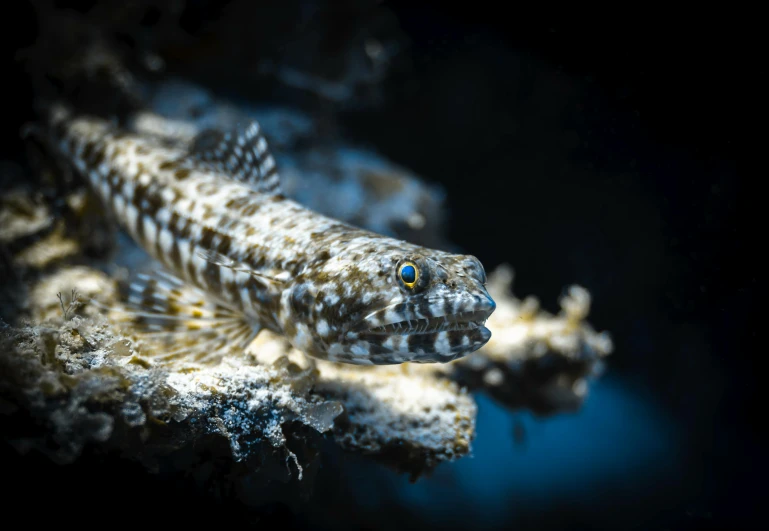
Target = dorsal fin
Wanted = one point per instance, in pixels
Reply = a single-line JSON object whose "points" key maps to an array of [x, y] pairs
{"points": [[241, 154]]}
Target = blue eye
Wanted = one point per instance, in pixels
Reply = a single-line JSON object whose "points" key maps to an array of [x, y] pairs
{"points": [[409, 274]]}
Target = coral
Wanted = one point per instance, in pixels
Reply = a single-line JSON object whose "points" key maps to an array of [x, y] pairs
{"points": [[84, 381], [73, 379], [21, 216], [82, 378], [392, 408], [89, 382], [535, 359]]}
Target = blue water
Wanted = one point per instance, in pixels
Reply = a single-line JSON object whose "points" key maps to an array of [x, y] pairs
{"points": [[619, 444]]}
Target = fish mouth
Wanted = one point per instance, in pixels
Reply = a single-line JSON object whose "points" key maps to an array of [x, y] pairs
{"points": [[413, 319], [422, 330], [464, 321]]}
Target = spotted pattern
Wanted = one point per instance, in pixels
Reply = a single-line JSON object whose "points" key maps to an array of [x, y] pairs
{"points": [[222, 226]]}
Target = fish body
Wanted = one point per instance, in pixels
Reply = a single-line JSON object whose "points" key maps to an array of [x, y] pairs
{"points": [[240, 257]]}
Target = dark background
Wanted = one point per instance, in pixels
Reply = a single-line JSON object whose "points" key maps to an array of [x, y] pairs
{"points": [[602, 151]]}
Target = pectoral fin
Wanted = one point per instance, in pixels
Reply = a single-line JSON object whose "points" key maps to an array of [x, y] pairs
{"points": [[179, 321]]}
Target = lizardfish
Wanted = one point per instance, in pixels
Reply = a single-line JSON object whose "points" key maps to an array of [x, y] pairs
{"points": [[240, 257]]}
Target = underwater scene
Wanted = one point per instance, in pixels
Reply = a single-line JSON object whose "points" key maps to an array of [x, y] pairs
{"points": [[373, 265]]}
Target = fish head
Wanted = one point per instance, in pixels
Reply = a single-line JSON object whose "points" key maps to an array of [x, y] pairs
{"points": [[394, 304]]}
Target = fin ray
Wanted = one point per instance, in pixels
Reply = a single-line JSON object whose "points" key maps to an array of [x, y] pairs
{"points": [[168, 313]]}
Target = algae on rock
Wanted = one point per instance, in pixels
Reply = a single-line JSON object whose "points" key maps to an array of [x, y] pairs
{"points": [[86, 380], [82, 378]]}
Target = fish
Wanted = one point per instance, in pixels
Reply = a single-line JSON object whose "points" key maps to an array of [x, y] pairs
{"points": [[237, 257]]}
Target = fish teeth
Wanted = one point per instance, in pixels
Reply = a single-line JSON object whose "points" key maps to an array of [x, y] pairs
{"points": [[436, 324]]}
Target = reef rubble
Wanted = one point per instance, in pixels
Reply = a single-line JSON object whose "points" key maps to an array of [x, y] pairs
{"points": [[73, 379], [85, 381]]}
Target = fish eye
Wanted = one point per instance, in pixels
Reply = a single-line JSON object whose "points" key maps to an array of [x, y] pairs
{"points": [[408, 273]]}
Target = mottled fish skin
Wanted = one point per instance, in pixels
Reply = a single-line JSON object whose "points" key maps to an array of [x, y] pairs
{"points": [[335, 291]]}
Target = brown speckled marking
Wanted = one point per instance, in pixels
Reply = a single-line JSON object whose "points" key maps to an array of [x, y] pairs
{"points": [[224, 228]]}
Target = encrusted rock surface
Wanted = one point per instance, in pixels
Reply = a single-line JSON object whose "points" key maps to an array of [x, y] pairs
{"points": [[72, 378], [535, 359], [85, 380]]}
